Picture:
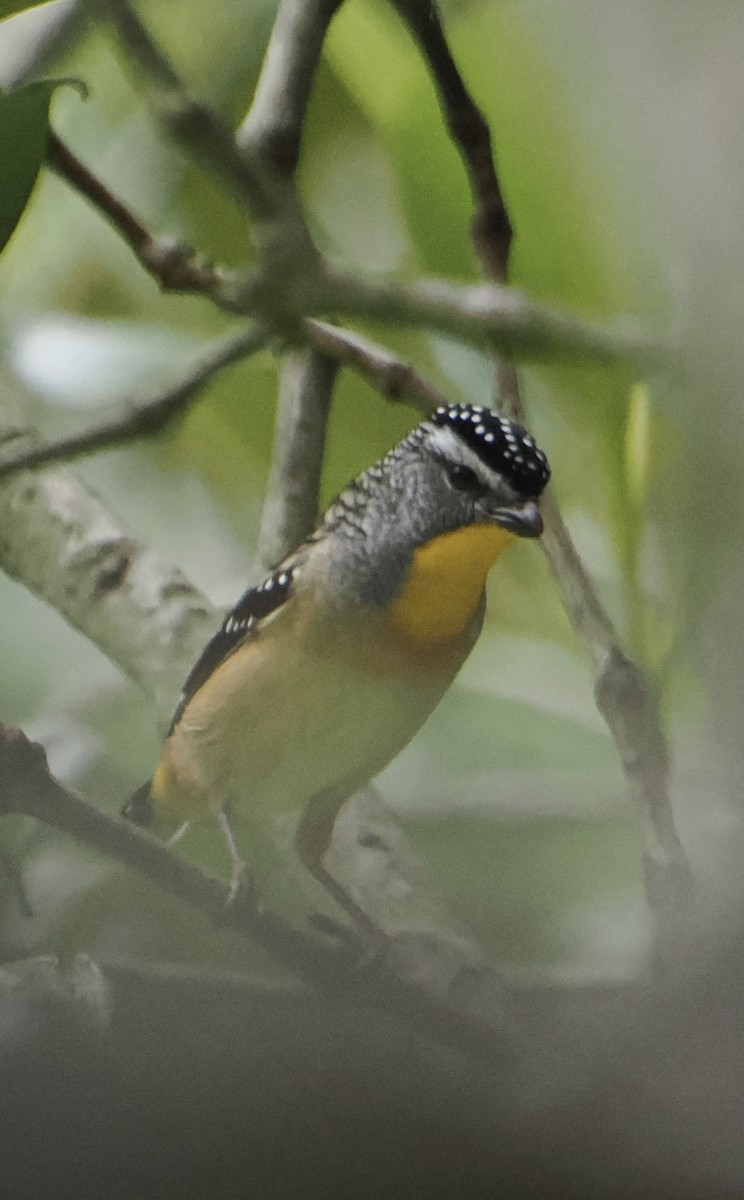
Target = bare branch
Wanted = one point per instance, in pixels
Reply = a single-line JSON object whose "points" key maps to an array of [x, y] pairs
{"points": [[391, 983], [394, 379], [272, 128], [278, 223], [492, 229], [142, 418], [292, 499], [624, 695], [478, 314], [175, 266], [60, 542], [487, 315], [271, 132], [29, 788], [630, 708]]}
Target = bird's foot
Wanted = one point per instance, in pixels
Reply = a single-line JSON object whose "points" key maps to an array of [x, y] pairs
{"points": [[243, 889]]}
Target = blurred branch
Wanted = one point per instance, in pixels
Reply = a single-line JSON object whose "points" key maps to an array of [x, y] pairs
{"points": [[491, 227], [278, 223], [466, 1018], [175, 266], [623, 693], [271, 132], [487, 315], [394, 379], [290, 509], [629, 705], [61, 543], [272, 128], [482, 315], [139, 418], [292, 282]]}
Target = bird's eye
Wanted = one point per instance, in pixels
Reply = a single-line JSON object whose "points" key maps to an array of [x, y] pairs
{"points": [[463, 479]]}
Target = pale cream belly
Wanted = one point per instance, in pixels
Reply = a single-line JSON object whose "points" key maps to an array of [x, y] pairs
{"points": [[275, 735]]}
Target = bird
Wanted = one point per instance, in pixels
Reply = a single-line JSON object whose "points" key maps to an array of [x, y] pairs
{"points": [[320, 675]]}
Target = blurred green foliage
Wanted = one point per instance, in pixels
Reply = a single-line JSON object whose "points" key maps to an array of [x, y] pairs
{"points": [[513, 790]]}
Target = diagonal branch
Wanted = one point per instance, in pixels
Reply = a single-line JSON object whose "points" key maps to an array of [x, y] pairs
{"points": [[175, 266], [394, 379], [278, 223], [491, 227], [480, 315], [624, 695], [439, 1012], [140, 418]]}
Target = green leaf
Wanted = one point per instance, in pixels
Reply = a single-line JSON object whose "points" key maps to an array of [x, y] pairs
{"points": [[24, 121]]}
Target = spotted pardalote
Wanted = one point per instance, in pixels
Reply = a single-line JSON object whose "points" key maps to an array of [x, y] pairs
{"points": [[319, 676]]}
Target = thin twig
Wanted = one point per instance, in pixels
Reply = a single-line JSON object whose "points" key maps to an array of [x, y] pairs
{"points": [[142, 418], [176, 266], [624, 695], [629, 705], [27, 787], [394, 379], [491, 227]]}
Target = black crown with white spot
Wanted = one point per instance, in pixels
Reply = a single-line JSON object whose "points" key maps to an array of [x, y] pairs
{"points": [[503, 445]]}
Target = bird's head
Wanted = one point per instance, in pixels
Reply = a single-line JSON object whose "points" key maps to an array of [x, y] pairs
{"points": [[464, 470], [483, 469]]}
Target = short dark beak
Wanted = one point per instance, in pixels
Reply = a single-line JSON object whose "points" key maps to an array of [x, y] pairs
{"points": [[525, 521]]}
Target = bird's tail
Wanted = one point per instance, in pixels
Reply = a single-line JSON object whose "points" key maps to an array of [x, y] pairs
{"points": [[139, 807]]}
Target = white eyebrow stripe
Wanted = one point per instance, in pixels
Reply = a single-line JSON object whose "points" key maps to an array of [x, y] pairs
{"points": [[446, 442]]}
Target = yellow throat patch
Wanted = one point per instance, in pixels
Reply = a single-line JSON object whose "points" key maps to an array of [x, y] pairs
{"points": [[446, 582]]}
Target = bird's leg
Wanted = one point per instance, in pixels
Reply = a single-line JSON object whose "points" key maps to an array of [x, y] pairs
{"points": [[176, 837], [239, 868], [312, 839]]}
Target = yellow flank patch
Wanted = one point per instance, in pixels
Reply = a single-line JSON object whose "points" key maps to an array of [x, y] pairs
{"points": [[446, 582], [172, 801]]}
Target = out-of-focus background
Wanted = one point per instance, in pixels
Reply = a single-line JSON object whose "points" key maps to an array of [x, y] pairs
{"points": [[618, 132]]}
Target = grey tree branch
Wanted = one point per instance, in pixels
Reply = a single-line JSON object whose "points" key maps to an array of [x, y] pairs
{"points": [[140, 418], [624, 695], [443, 1011], [491, 227], [277, 220], [272, 128], [292, 497], [481, 315], [488, 316], [62, 544], [394, 379], [271, 132]]}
